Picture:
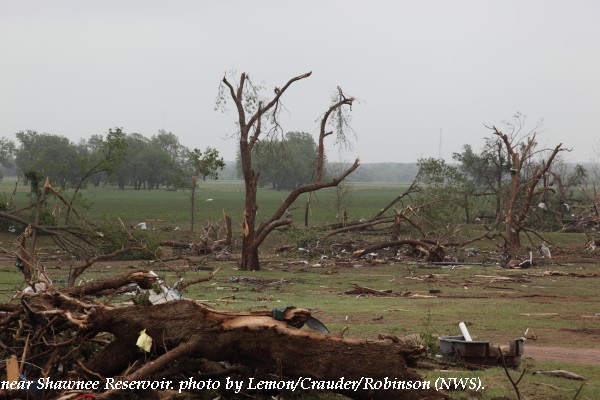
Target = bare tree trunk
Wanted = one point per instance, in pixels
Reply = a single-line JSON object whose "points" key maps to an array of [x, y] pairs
{"points": [[250, 261], [522, 186], [38, 213], [499, 173], [307, 209], [467, 209], [193, 211], [513, 239], [250, 131], [229, 233], [512, 229]]}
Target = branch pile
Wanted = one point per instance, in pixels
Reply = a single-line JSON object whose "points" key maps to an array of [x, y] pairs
{"points": [[213, 238]]}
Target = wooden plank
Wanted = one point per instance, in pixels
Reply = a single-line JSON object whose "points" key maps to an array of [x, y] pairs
{"points": [[12, 369]]}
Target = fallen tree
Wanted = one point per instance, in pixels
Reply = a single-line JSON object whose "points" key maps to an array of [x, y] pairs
{"points": [[67, 335], [76, 334], [257, 341]]}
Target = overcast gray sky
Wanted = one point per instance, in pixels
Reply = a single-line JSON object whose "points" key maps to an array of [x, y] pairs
{"points": [[420, 68]]}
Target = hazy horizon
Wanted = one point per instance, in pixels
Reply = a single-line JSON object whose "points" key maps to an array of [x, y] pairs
{"points": [[428, 75]]}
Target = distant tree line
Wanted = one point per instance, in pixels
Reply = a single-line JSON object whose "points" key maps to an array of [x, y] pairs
{"points": [[117, 158], [284, 163], [161, 161], [385, 172]]}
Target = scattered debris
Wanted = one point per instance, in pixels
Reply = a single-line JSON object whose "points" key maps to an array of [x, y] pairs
{"points": [[530, 335], [144, 341], [285, 248], [215, 237], [592, 244], [427, 250], [559, 373], [465, 332], [361, 290], [455, 264], [158, 294], [571, 274], [527, 263], [472, 251], [457, 349], [261, 282], [545, 251], [316, 325], [548, 314], [365, 291]]}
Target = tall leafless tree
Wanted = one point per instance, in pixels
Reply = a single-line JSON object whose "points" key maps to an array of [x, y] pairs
{"points": [[525, 175], [256, 119]]}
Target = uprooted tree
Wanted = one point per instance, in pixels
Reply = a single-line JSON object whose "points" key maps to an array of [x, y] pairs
{"points": [[258, 118]]}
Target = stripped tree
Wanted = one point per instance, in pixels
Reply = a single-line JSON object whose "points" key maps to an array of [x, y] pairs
{"points": [[257, 118], [525, 175]]}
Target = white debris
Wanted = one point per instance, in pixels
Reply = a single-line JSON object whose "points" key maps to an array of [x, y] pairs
{"points": [[144, 341], [161, 292], [166, 294], [398, 255], [39, 287], [142, 226], [545, 251]]}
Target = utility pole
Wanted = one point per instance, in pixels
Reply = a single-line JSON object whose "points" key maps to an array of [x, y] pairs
{"points": [[440, 146]]}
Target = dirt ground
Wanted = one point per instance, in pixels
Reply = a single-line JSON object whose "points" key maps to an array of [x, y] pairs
{"points": [[552, 353]]}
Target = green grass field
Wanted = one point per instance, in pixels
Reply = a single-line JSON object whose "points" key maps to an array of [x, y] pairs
{"points": [[497, 304], [173, 206]]}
